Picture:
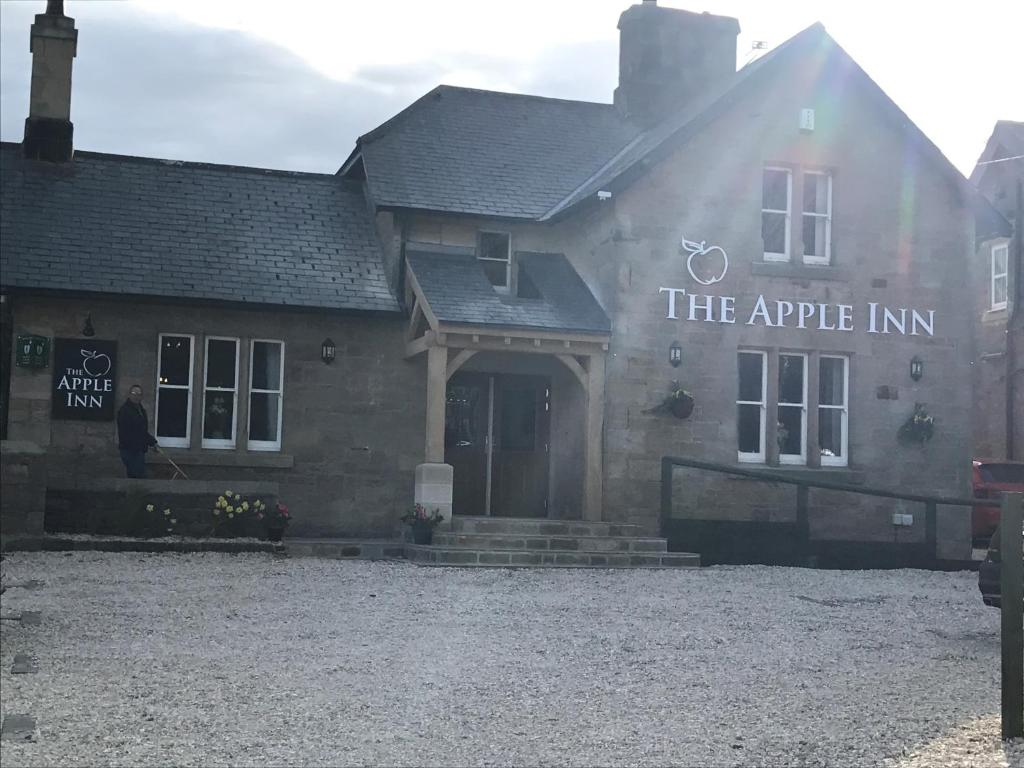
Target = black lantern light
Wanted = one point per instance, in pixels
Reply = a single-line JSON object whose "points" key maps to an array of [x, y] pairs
{"points": [[327, 351], [675, 355], [87, 329], [916, 368]]}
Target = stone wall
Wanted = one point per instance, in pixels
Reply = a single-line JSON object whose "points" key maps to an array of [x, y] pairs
{"points": [[352, 431]]}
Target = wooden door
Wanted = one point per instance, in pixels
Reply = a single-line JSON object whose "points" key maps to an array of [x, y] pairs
{"points": [[466, 430], [520, 455]]}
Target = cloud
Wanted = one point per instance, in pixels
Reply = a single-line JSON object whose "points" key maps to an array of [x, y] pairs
{"points": [[160, 88]]}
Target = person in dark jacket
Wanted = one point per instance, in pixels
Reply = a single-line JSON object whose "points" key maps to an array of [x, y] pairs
{"points": [[133, 437]]}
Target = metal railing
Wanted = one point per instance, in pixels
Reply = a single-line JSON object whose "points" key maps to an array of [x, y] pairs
{"points": [[803, 486]]}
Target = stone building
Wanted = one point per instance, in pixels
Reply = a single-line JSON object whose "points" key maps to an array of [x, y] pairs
{"points": [[513, 286], [998, 393]]}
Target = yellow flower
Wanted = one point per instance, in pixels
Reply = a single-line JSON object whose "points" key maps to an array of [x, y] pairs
{"points": [[230, 515], [216, 511], [245, 505], [167, 512], [149, 507], [237, 497], [174, 521], [221, 500], [231, 509], [227, 493]]}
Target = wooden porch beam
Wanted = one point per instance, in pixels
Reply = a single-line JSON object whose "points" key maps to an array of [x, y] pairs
{"points": [[459, 360], [420, 345], [573, 365]]}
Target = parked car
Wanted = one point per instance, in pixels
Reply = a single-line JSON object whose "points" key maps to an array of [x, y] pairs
{"points": [[991, 478], [989, 573]]}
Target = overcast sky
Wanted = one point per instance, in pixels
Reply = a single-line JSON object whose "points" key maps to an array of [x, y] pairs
{"points": [[292, 84]]}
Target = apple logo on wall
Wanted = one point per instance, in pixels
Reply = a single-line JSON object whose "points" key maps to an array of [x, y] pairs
{"points": [[706, 265], [95, 363]]}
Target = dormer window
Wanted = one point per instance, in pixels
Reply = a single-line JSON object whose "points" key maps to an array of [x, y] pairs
{"points": [[494, 252]]}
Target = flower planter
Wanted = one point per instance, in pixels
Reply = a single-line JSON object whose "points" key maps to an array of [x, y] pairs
{"points": [[681, 407], [422, 532]]}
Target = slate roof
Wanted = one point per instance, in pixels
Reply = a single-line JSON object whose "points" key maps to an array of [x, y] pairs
{"points": [[458, 292], [489, 153], [126, 225]]}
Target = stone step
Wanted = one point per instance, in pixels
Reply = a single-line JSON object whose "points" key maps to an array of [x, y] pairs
{"points": [[515, 558], [542, 526], [510, 541]]}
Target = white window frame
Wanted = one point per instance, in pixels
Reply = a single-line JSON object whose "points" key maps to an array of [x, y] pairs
{"points": [[827, 216], [844, 460], [749, 457], [507, 261], [175, 442], [790, 458], [218, 442], [770, 255], [266, 445], [996, 277]]}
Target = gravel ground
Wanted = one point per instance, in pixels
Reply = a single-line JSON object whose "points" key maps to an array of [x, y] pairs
{"points": [[213, 659]]}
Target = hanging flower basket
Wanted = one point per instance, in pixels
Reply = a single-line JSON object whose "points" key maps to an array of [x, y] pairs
{"points": [[682, 406], [918, 428]]}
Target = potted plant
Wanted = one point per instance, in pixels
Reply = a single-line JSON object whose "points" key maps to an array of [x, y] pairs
{"points": [[422, 523], [919, 426], [276, 521], [679, 402]]}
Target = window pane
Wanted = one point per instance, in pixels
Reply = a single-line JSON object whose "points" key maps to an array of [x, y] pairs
{"points": [[497, 272], [494, 245], [773, 232], [775, 191], [830, 391], [175, 359], [750, 377], [999, 291], [814, 236], [172, 413], [266, 365], [465, 421], [830, 431], [218, 416], [815, 193], [263, 409], [790, 429], [999, 260], [749, 432], [791, 379], [220, 363]]}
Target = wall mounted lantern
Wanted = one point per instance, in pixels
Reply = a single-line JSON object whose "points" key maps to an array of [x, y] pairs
{"points": [[675, 354], [327, 351], [916, 368], [87, 329]]}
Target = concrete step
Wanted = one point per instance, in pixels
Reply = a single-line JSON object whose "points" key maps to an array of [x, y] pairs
{"points": [[542, 526], [511, 541], [517, 558]]}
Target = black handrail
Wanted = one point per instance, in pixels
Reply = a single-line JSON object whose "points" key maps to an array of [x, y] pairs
{"points": [[803, 484]]}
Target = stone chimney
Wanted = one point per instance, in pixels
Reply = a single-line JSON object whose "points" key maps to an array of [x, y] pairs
{"points": [[48, 129], [669, 57]]}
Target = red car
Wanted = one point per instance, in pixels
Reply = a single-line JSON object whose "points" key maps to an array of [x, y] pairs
{"points": [[989, 480]]}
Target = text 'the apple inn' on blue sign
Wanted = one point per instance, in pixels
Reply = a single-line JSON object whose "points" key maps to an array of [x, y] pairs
{"points": [[84, 372]]}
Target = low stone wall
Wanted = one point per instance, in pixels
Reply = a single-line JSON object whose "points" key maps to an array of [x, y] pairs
{"points": [[23, 483], [152, 508]]}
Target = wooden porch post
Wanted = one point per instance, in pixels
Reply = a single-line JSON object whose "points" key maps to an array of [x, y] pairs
{"points": [[437, 382], [593, 453]]}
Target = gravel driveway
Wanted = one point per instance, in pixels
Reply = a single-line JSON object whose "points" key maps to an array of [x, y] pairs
{"points": [[213, 659]]}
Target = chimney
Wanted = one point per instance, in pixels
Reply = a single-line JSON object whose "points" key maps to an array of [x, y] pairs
{"points": [[668, 57], [48, 129]]}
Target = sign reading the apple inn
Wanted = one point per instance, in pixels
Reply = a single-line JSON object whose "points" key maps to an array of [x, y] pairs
{"points": [[83, 379], [708, 265]]}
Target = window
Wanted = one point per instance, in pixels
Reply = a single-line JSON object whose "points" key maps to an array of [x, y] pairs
{"points": [[750, 402], [1000, 276], [791, 428], [266, 385], [817, 217], [494, 251], [174, 390], [776, 196], [220, 393], [833, 410]]}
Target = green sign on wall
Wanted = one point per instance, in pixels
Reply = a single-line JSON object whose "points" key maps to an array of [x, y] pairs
{"points": [[32, 352]]}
